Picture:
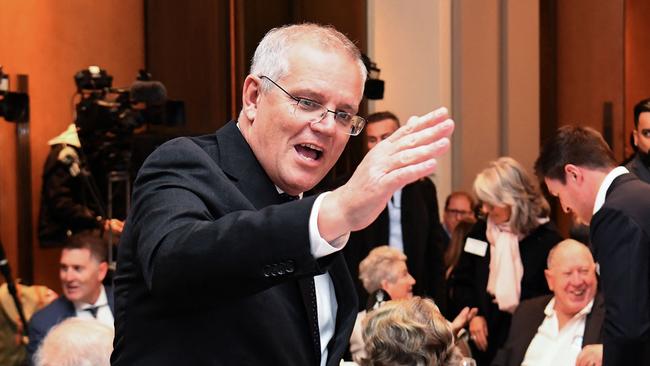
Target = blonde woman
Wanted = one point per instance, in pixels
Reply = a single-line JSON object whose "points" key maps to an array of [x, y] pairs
{"points": [[504, 257]]}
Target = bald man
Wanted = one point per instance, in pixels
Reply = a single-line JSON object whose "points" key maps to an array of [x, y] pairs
{"points": [[563, 329]]}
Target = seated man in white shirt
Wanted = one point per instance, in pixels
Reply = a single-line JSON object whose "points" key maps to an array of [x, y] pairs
{"points": [[563, 329], [83, 267]]}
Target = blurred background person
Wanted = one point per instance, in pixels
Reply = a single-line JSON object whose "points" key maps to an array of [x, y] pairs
{"points": [[459, 206], [409, 332], [385, 276], [563, 329], [410, 223], [83, 267], [12, 341], [504, 257], [71, 203], [452, 256], [76, 342], [640, 163]]}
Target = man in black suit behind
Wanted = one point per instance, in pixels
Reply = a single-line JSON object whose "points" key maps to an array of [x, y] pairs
{"points": [[213, 267], [410, 223], [579, 168]]}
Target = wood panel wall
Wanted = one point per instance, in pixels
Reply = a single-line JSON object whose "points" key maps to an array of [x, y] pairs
{"points": [[49, 41]]}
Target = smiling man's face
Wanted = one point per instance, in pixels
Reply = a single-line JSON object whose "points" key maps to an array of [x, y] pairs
{"points": [[572, 278], [81, 275]]}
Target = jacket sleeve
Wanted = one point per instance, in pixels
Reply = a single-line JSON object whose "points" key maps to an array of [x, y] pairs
{"points": [[192, 229]]}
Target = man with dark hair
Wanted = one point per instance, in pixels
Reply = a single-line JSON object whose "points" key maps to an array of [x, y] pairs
{"points": [[459, 206], [83, 267], [640, 163], [222, 262], [409, 223], [579, 168]]}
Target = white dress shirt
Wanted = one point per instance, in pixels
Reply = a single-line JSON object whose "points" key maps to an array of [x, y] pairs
{"points": [[395, 239], [552, 346], [104, 313], [604, 186], [326, 304]]}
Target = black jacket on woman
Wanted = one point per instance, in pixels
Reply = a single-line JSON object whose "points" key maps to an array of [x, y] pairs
{"points": [[469, 282]]}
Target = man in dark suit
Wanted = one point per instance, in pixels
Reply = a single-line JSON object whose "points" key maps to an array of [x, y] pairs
{"points": [[564, 328], [579, 168], [83, 267], [640, 163], [410, 223], [215, 266]]}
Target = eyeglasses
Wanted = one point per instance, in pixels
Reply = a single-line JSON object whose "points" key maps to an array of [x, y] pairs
{"points": [[455, 212], [315, 112]]}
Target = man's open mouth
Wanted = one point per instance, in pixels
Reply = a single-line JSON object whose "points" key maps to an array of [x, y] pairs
{"points": [[309, 151]]}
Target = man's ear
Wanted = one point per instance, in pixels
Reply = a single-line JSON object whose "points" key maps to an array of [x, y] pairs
{"points": [[573, 173], [549, 278], [384, 284], [103, 270], [635, 136], [251, 93]]}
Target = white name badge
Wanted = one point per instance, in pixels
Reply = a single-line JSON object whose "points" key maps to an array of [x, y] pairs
{"points": [[476, 247]]}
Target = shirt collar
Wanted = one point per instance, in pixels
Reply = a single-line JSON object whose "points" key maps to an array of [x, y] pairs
{"points": [[607, 182], [101, 301], [550, 309], [281, 191]]}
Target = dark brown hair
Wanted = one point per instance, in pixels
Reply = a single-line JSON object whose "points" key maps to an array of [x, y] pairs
{"points": [[581, 146]]}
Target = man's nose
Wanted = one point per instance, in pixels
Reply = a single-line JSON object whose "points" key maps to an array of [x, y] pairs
{"points": [[576, 278], [326, 125]]}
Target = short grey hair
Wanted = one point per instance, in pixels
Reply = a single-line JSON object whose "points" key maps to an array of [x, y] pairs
{"points": [[506, 182], [271, 56], [379, 265], [76, 342]]}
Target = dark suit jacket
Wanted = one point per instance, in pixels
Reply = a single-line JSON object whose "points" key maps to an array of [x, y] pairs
{"points": [[54, 313], [422, 235], [469, 281], [212, 268], [620, 237], [529, 316], [637, 167]]}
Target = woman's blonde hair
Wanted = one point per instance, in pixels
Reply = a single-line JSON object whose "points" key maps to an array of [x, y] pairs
{"points": [[409, 332], [379, 265], [506, 182]]}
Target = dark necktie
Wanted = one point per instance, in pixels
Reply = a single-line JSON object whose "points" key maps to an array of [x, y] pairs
{"points": [[284, 197], [308, 290], [92, 310]]}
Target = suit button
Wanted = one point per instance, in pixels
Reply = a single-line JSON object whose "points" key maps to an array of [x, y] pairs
{"points": [[289, 266], [267, 271]]}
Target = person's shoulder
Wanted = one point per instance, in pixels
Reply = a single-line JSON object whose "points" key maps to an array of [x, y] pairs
{"points": [[534, 303], [53, 311], [547, 233]]}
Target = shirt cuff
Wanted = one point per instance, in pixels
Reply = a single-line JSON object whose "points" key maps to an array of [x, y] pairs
{"points": [[319, 246]]}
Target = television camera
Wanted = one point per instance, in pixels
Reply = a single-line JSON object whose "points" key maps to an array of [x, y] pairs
{"points": [[14, 107]]}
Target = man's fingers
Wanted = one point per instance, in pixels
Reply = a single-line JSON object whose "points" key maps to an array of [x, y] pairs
{"points": [[415, 123], [419, 138]]}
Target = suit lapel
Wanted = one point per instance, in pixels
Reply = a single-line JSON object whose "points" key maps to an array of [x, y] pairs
{"points": [[238, 161], [594, 323]]}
